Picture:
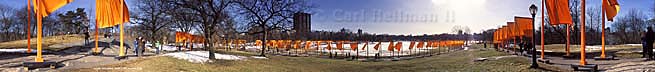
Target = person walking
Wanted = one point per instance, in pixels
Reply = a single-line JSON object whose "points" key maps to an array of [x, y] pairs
{"points": [[136, 46], [649, 43], [644, 44], [157, 47], [86, 37], [141, 46]]}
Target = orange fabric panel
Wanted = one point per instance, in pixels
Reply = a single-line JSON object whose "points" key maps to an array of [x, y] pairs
{"points": [[340, 45], [111, 13], [287, 43], [420, 44], [377, 46], [329, 45], [390, 47], [507, 33], [411, 45], [296, 44], [307, 44], [45, 7], [501, 36], [511, 27], [525, 25], [272, 43], [180, 37], [399, 45], [258, 42], [281, 44], [429, 44], [611, 8], [353, 46], [558, 12], [496, 33]]}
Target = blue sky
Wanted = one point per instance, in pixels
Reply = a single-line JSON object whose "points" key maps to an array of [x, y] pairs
{"points": [[415, 17]]}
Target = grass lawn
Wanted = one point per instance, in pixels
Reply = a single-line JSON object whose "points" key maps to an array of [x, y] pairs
{"points": [[454, 61], [47, 41]]}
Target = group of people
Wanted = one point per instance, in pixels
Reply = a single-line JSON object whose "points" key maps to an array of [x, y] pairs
{"points": [[139, 46], [647, 39]]}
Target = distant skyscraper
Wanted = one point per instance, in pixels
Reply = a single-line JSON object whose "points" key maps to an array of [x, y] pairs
{"points": [[302, 24]]}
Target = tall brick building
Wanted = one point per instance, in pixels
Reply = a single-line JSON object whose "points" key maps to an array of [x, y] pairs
{"points": [[302, 24]]}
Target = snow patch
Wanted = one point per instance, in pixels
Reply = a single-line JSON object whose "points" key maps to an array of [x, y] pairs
{"points": [[19, 50], [202, 56]]}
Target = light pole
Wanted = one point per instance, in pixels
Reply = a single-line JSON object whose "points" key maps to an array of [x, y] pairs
{"points": [[533, 11]]}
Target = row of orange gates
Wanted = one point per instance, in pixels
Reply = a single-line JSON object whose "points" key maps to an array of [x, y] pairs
{"points": [[310, 45], [558, 14]]}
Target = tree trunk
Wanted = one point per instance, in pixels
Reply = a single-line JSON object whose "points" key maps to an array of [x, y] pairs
{"points": [[209, 38], [264, 41]]}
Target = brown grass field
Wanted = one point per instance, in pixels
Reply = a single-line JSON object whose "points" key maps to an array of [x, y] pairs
{"points": [[453, 61], [47, 41]]}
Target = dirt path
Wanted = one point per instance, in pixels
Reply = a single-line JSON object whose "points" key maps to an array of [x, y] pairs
{"points": [[75, 57]]}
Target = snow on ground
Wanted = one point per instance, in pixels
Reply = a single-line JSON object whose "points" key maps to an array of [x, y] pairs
{"points": [[633, 44], [202, 56], [18, 50], [171, 47]]}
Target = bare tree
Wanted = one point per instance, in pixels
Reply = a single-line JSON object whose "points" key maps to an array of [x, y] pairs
{"points": [[210, 14], [269, 15], [152, 17], [7, 21], [593, 24], [628, 28]]}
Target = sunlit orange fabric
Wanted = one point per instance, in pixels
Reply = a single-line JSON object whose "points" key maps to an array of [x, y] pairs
{"points": [[420, 45], [258, 42], [200, 39], [399, 45], [506, 33], [558, 12], [495, 40], [182, 37], [611, 8], [340, 45], [111, 13], [353, 46], [500, 34], [281, 44], [272, 43], [296, 45], [429, 44], [511, 28], [318, 44], [411, 45], [390, 47], [308, 44], [287, 43], [329, 45], [525, 26], [377, 46], [45, 7]]}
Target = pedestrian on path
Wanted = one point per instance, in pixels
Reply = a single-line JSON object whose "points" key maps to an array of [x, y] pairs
{"points": [[649, 43], [136, 45], [142, 47], [157, 47], [644, 44]]}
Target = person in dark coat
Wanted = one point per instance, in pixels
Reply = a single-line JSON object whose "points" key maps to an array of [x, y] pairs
{"points": [[141, 46], [649, 42], [644, 44]]}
